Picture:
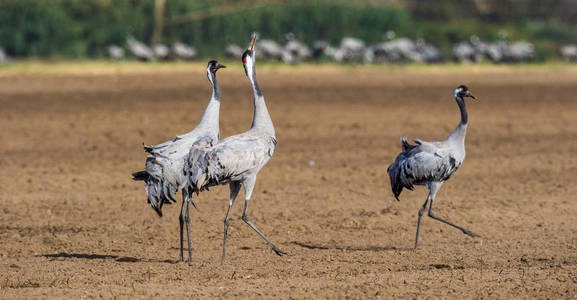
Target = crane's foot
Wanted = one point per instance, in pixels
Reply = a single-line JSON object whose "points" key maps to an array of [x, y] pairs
{"points": [[470, 233], [188, 261], [278, 251]]}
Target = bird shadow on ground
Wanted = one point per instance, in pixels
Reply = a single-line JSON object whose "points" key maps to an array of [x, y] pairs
{"points": [[349, 248], [63, 255]]}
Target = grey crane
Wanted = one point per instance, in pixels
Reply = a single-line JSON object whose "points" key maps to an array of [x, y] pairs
{"points": [[3, 57], [115, 52], [233, 51], [269, 49], [139, 49], [432, 163], [294, 51], [161, 51], [568, 52], [183, 51], [351, 49], [237, 159], [165, 163]]}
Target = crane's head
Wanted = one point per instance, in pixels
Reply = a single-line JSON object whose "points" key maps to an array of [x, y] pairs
{"points": [[248, 57], [213, 66], [211, 69], [462, 92]]}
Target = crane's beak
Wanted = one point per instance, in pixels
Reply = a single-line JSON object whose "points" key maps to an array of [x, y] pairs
{"points": [[252, 42], [470, 95], [219, 66]]}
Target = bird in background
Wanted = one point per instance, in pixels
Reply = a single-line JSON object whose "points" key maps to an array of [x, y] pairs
{"points": [[237, 159], [164, 172], [432, 163]]}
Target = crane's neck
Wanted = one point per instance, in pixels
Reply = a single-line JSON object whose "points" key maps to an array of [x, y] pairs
{"points": [[214, 83], [210, 118], [461, 131], [261, 118], [463, 109]]}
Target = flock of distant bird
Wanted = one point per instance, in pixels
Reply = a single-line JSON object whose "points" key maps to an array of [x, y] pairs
{"points": [[350, 50], [353, 50], [195, 161]]}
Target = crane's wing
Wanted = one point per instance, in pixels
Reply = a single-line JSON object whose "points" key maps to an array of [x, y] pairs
{"points": [[419, 164], [168, 146], [229, 160], [164, 172], [195, 167]]}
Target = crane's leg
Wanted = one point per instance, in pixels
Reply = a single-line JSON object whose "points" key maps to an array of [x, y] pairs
{"points": [[181, 222], [434, 188], [234, 189], [421, 211], [187, 222], [248, 187]]}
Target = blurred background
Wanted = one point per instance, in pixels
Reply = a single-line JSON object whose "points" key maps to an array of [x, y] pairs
{"points": [[361, 31]]}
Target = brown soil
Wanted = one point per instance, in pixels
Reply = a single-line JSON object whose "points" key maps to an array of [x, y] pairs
{"points": [[73, 224]]}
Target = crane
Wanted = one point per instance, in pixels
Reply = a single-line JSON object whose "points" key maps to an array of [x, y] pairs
{"points": [[139, 49], [237, 159], [432, 163], [164, 173]]}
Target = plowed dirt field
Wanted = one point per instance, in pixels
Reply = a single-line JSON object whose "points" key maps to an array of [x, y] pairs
{"points": [[73, 223]]}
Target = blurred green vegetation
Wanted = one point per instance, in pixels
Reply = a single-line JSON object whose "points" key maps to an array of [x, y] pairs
{"points": [[83, 28]]}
